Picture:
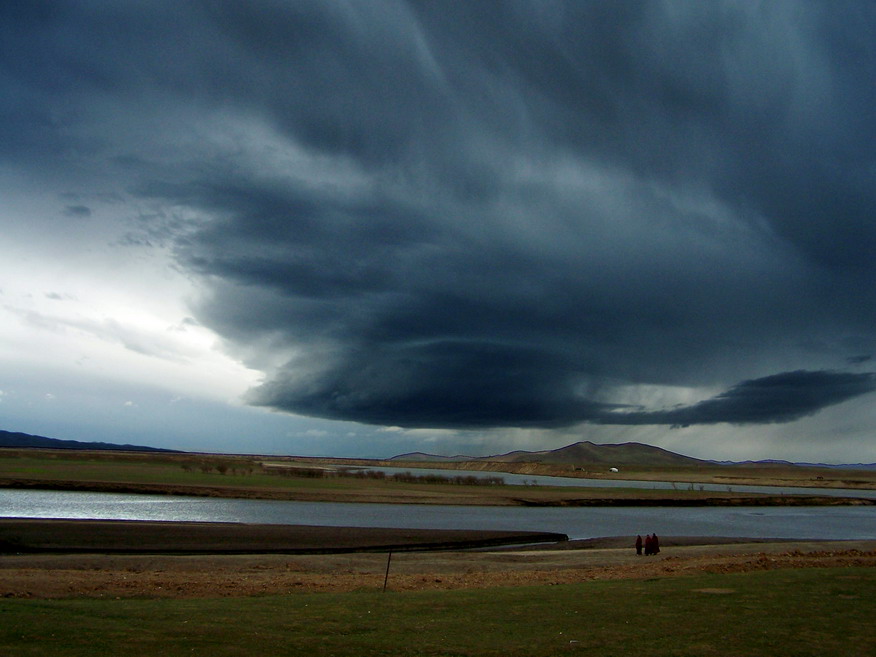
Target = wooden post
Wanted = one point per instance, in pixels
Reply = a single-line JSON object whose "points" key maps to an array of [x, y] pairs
{"points": [[386, 576]]}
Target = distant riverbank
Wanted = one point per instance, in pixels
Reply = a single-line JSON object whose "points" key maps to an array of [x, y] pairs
{"points": [[453, 495]]}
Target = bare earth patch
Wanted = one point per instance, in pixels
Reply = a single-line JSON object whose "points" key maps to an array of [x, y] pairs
{"points": [[60, 575]]}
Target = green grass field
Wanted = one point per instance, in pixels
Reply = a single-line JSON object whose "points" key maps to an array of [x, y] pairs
{"points": [[151, 469], [793, 613]]}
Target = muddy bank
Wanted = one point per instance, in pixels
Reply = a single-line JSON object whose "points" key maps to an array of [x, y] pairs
{"points": [[143, 537]]}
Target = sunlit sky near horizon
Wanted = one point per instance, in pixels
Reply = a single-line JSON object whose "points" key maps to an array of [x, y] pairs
{"points": [[370, 228]]}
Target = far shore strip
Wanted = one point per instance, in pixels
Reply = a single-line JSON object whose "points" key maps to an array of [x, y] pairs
{"points": [[483, 496]]}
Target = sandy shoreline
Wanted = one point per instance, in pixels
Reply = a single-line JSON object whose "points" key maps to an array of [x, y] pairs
{"points": [[216, 573]]}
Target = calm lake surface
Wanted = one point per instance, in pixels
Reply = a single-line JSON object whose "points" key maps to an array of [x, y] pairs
{"points": [[754, 522]]}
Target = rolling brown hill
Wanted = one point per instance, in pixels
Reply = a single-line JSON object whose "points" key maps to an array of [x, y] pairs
{"points": [[587, 452], [580, 452]]}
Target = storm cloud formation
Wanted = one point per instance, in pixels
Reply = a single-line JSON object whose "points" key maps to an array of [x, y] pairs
{"points": [[531, 214], [778, 398]]}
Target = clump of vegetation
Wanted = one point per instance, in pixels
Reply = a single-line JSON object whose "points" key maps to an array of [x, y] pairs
{"points": [[306, 473], [206, 466], [460, 480], [379, 475]]}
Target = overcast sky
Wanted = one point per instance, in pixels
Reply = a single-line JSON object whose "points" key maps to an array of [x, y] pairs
{"points": [[364, 228]]}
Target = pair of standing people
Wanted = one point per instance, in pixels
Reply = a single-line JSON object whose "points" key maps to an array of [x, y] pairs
{"points": [[651, 545]]}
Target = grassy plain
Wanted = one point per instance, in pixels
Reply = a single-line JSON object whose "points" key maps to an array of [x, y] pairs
{"points": [[668, 605], [759, 474], [799, 613], [318, 480]]}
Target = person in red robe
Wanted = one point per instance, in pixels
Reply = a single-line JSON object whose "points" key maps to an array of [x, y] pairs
{"points": [[655, 544]]}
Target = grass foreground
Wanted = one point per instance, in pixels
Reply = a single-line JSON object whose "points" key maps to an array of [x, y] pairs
{"points": [[819, 611]]}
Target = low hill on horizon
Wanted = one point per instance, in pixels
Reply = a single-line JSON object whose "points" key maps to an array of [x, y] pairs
{"points": [[580, 452], [413, 457], [608, 454], [26, 440]]}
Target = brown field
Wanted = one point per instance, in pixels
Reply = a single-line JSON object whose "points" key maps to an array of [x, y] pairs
{"points": [[381, 493], [130, 573], [58, 559], [725, 475], [325, 480]]}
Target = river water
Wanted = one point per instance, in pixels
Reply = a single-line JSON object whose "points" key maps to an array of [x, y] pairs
{"points": [[817, 522]]}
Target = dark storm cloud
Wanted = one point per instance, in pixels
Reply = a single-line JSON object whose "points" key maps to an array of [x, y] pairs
{"points": [[777, 398], [492, 213], [443, 395], [432, 386]]}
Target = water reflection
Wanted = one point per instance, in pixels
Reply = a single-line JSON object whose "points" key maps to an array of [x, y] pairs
{"points": [[842, 522]]}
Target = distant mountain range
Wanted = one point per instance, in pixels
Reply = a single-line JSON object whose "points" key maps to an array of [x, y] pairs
{"points": [[615, 455], [576, 453], [13, 439]]}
